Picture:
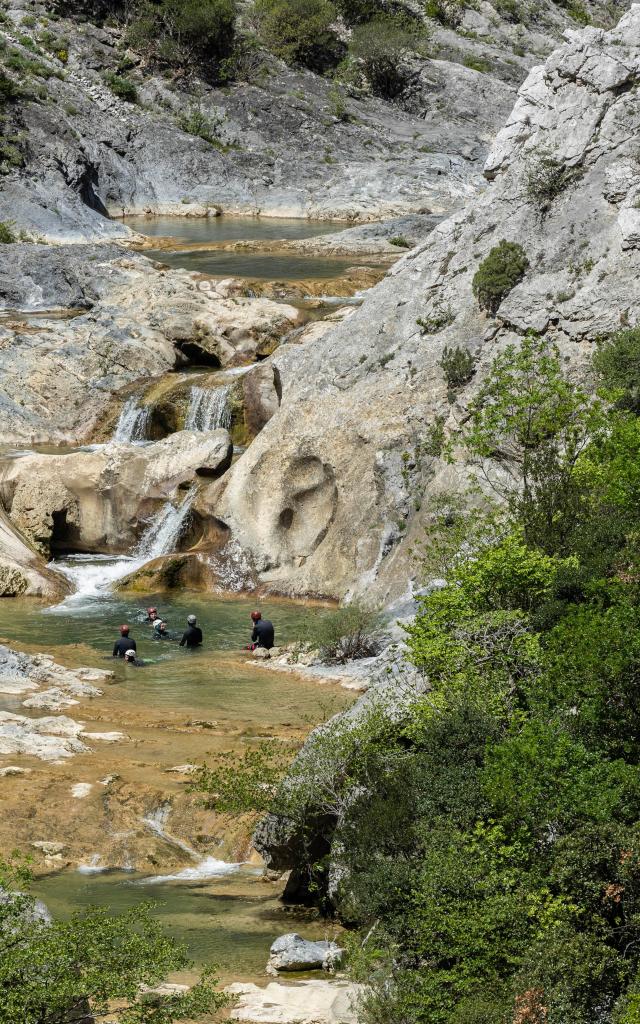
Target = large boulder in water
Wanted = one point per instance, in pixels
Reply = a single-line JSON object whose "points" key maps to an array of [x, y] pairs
{"points": [[22, 570], [293, 953], [101, 499]]}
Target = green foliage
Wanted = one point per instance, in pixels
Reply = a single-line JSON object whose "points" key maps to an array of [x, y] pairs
{"points": [[299, 31], [57, 972], [458, 366], [355, 12], [547, 178], [381, 46], [196, 122], [181, 33], [400, 241], [528, 429], [7, 233], [617, 363], [344, 634], [121, 87], [441, 318], [498, 274], [448, 12], [248, 782], [478, 64]]}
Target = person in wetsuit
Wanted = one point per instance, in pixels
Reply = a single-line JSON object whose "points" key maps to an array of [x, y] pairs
{"points": [[263, 632], [192, 636], [160, 631], [124, 644], [131, 658], [152, 615]]}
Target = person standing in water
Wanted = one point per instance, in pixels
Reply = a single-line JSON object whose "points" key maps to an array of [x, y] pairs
{"points": [[124, 644], [130, 658], [192, 636], [263, 634]]}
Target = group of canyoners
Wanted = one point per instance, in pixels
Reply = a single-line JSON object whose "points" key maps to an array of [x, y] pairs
{"points": [[125, 647]]}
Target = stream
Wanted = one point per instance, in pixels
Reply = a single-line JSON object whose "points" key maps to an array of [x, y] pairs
{"points": [[179, 707]]}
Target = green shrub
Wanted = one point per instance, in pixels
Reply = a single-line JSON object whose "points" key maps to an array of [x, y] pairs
{"points": [[299, 31], [547, 178], [381, 45], [441, 318], [458, 366], [498, 274], [448, 12], [400, 241], [355, 12], [197, 123], [477, 64], [345, 634], [245, 63], [7, 234], [617, 363], [181, 32], [9, 89], [122, 87]]}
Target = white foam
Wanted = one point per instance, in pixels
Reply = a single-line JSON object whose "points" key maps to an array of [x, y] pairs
{"points": [[209, 867], [94, 867]]}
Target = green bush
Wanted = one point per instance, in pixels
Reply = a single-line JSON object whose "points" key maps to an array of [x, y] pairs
{"points": [[498, 274], [9, 89], [7, 234], [299, 31], [345, 634], [448, 12], [547, 178], [441, 318], [181, 32], [400, 241], [121, 87], [381, 46], [617, 363], [355, 12], [197, 123], [458, 366]]}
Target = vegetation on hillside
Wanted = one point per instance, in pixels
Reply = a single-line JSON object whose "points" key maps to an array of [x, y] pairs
{"points": [[483, 842]]}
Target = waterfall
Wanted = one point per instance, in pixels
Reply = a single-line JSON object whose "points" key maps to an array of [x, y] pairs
{"points": [[94, 575], [133, 422], [208, 409], [164, 531]]}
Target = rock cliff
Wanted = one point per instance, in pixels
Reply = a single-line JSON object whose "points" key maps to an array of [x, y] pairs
{"points": [[325, 499]]}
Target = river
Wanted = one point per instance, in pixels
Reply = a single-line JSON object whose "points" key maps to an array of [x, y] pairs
{"points": [[129, 826]]}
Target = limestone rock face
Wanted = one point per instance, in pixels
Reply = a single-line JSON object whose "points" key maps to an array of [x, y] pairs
{"points": [[325, 499], [62, 374], [100, 499], [22, 570]]}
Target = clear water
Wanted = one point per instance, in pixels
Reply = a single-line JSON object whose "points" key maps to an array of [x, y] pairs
{"points": [[231, 229], [231, 922], [209, 409], [257, 265]]}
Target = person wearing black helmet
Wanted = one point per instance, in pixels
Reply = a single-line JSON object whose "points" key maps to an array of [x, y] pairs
{"points": [[124, 644], [192, 636], [263, 634]]}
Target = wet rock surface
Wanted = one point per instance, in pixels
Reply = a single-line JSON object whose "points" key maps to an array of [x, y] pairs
{"points": [[293, 953]]}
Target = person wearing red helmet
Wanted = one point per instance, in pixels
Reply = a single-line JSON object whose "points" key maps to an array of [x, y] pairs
{"points": [[124, 644], [263, 632], [152, 614]]}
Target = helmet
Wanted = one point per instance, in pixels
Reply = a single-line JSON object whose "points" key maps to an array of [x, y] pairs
{"points": [[256, 616], [157, 626], [130, 655], [191, 620], [124, 630], [152, 611]]}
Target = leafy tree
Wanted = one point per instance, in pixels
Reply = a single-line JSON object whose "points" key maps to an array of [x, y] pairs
{"points": [[57, 972], [617, 363], [529, 427], [382, 45], [300, 31], [498, 274], [183, 32]]}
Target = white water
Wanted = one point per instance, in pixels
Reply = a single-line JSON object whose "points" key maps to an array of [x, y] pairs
{"points": [[208, 867], [93, 576], [157, 820], [94, 866], [133, 422], [209, 409]]}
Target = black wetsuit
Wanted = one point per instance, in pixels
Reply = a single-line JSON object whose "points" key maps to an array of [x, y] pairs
{"points": [[263, 634], [192, 637], [125, 643]]}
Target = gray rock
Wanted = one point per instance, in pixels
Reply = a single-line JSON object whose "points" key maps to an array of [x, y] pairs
{"points": [[293, 953]]}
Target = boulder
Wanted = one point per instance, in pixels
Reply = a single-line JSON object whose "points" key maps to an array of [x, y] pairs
{"points": [[306, 1002], [23, 571], [293, 953]]}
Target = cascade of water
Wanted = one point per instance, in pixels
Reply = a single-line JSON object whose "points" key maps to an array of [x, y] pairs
{"points": [[93, 575], [133, 422], [208, 409], [163, 532]]}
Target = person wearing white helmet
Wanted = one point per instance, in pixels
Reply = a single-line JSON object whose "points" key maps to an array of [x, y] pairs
{"points": [[192, 636]]}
